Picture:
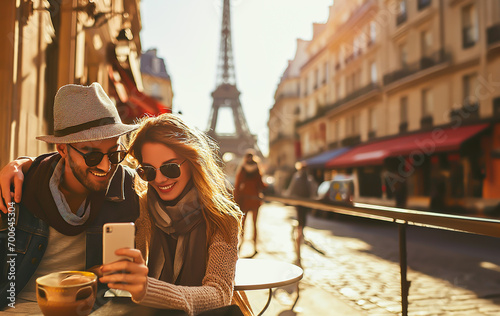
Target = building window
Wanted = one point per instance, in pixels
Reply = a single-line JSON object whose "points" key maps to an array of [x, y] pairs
{"points": [[155, 64], [325, 77], [316, 78], [372, 124], [355, 125], [469, 88], [403, 114], [470, 105], [469, 26], [426, 120], [360, 78], [426, 43], [352, 125], [373, 72], [156, 91], [403, 56], [297, 111], [335, 131], [348, 84], [402, 16], [422, 4], [357, 49], [373, 32], [427, 102], [354, 83], [335, 137], [312, 108]]}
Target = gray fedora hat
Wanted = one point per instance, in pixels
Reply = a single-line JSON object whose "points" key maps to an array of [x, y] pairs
{"points": [[83, 114]]}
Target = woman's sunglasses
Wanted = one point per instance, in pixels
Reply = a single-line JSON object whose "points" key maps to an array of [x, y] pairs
{"points": [[169, 170], [94, 158]]}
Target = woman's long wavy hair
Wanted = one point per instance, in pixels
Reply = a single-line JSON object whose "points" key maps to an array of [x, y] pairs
{"points": [[219, 208]]}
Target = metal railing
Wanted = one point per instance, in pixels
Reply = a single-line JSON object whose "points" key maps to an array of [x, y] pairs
{"points": [[425, 62], [403, 218], [350, 97]]}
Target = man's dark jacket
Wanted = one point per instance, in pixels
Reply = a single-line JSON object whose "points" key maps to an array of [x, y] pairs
{"points": [[30, 237]]}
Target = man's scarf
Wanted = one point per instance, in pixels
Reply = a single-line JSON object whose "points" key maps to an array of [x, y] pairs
{"points": [[38, 199]]}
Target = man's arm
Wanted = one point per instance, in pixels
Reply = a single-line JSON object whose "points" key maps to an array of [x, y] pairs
{"points": [[13, 174]]}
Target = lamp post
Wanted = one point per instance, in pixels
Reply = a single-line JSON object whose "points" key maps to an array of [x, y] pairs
{"points": [[122, 46]]}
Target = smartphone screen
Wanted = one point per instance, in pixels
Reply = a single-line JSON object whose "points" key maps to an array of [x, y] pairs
{"points": [[116, 236]]}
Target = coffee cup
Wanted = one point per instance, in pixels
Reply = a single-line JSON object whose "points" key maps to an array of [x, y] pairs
{"points": [[68, 293]]}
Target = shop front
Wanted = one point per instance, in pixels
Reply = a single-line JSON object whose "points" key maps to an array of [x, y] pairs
{"points": [[436, 170]]}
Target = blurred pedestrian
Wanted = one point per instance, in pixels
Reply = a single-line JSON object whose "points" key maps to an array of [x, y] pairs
{"points": [[401, 193], [438, 193], [247, 188], [302, 185]]}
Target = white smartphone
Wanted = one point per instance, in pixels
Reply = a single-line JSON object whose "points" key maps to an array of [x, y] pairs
{"points": [[116, 236]]}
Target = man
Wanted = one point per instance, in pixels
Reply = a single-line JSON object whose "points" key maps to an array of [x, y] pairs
{"points": [[67, 196], [302, 185]]}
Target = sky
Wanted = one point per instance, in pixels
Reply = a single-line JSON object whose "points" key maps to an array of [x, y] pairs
{"points": [[186, 34]]}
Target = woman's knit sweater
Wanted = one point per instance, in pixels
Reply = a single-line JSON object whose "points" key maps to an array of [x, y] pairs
{"points": [[217, 285]]}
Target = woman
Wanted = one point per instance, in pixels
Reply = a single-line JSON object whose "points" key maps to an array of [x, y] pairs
{"points": [[189, 222], [247, 188]]}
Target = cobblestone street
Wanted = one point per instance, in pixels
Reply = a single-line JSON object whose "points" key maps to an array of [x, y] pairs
{"points": [[359, 271]]}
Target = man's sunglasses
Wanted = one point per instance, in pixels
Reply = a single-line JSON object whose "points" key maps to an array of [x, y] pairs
{"points": [[94, 158], [169, 170]]}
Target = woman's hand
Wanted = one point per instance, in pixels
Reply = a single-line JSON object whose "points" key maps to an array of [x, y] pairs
{"points": [[131, 276], [96, 270], [12, 173]]}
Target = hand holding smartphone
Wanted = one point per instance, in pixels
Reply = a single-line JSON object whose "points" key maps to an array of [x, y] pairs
{"points": [[116, 236]]}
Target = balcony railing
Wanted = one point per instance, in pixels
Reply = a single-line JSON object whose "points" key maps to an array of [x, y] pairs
{"points": [[287, 95], [466, 112], [280, 137], [334, 145], [403, 127], [372, 135], [351, 141], [493, 34], [402, 218], [422, 4], [362, 91], [425, 62], [354, 95], [426, 122]]}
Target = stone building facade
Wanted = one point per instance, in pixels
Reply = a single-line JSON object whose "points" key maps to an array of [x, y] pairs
{"points": [[397, 91]]}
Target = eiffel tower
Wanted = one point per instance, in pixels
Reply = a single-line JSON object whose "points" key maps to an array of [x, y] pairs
{"points": [[227, 97]]}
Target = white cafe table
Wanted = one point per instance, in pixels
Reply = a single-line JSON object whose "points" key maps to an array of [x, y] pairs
{"points": [[259, 274]]}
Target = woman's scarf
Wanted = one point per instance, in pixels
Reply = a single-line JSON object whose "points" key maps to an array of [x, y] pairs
{"points": [[184, 222]]}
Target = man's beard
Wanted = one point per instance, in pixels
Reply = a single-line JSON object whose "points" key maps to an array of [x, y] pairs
{"points": [[83, 174]]}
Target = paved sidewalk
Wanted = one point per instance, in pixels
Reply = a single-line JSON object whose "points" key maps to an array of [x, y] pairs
{"points": [[275, 232], [359, 271]]}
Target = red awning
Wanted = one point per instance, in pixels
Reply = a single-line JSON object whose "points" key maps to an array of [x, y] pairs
{"points": [[428, 143], [131, 102]]}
